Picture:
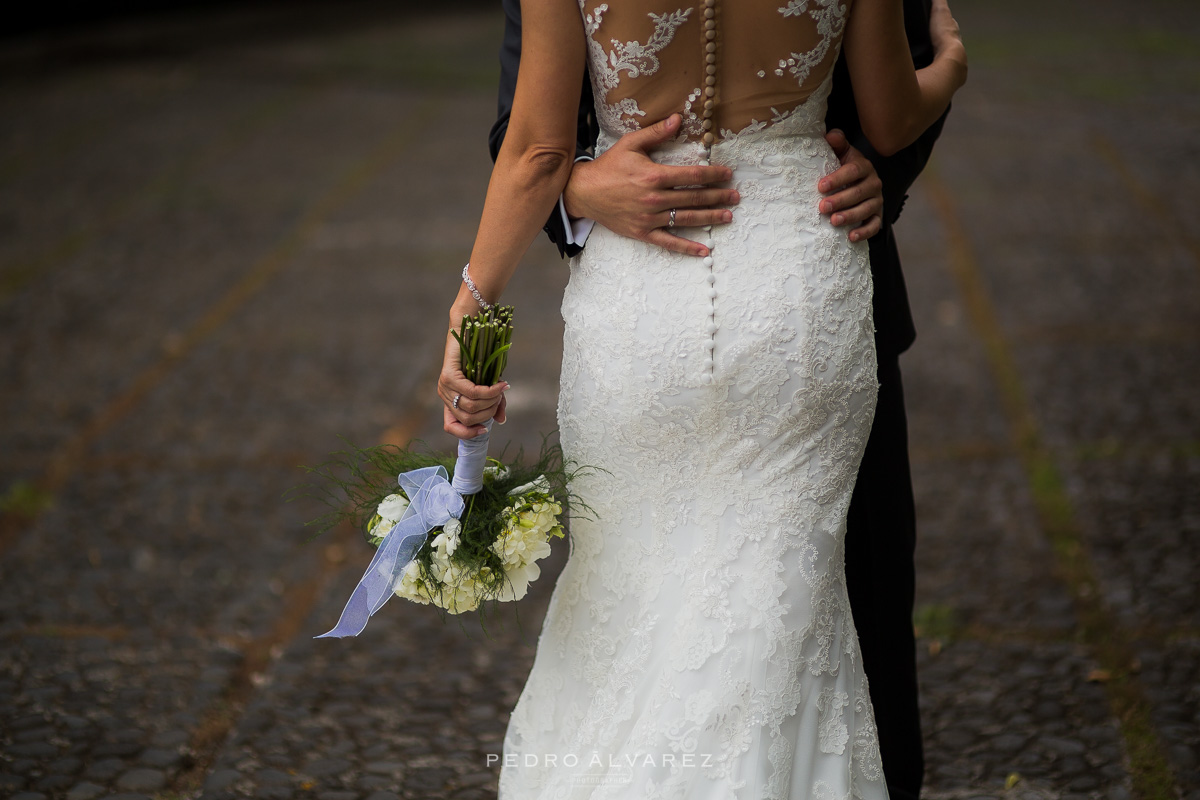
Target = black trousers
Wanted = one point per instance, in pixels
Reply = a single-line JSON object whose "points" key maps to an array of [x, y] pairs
{"points": [[881, 537]]}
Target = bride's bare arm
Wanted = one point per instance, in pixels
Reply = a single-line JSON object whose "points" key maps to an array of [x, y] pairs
{"points": [[530, 173], [895, 103], [539, 148]]}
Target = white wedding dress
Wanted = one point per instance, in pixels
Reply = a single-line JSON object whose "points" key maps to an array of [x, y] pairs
{"points": [[699, 642]]}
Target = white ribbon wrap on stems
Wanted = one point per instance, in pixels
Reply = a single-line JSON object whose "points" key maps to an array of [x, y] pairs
{"points": [[472, 458]]}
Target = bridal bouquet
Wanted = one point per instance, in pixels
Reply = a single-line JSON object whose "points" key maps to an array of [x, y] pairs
{"points": [[462, 565], [454, 543]]}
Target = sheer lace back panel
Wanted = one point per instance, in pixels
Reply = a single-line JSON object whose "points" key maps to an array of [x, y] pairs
{"points": [[726, 65]]}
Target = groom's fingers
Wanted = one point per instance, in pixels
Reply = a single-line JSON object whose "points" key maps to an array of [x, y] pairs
{"points": [[668, 176], [693, 198], [858, 207], [676, 244], [695, 218], [871, 226], [652, 137], [853, 192]]}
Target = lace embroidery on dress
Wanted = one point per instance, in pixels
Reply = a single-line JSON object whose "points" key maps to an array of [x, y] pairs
{"points": [[645, 61], [833, 732], [830, 16], [632, 57]]}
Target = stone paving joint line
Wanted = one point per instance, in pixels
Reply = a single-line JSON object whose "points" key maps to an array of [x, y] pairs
{"points": [[69, 458], [1150, 201], [14, 277], [1152, 775]]}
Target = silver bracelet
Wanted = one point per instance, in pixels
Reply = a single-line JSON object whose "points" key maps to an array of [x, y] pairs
{"points": [[484, 304]]}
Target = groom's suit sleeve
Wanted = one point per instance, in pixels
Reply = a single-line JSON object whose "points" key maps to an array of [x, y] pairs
{"points": [[586, 128], [894, 330]]}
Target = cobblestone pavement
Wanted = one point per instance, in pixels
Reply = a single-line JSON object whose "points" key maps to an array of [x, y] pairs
{"points": [[227, 240]]}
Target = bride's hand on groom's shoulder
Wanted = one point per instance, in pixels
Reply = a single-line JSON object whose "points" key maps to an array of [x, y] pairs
{"points": [[943, 28], [853, 192], [465, 405], [946, 37]]}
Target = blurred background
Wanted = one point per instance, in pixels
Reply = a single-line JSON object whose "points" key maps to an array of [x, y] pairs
{"points": [[228, 236]]}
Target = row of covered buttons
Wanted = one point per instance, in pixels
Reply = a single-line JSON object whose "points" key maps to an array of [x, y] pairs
{"points": [[711, 344], [710, 70], [706, 117]]}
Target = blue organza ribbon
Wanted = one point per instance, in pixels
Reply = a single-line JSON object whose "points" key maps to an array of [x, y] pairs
{"points": [[432, 502]]}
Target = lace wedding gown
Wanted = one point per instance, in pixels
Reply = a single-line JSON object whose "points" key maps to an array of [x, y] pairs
{"points": [[699, 642]]}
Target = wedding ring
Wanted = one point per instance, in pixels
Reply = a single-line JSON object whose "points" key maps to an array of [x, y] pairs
{"points": [[454, 402], [671, 223]]}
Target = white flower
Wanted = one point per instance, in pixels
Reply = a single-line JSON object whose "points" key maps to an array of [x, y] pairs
{"points": [[459, 599], [517, 580], [528, 523], [495, 473], [459, 591], [410, 587], [524, 539], [389, 512], [516, 550], [379, 529], [539, 484], [392, 508], [541, 517], [446, 542], [439, 563], [545, 516]]}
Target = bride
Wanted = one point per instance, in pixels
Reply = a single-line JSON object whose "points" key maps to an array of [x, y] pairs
{"points": [[699, 642]]}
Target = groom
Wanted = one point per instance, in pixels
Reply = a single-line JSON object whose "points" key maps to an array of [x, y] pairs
{"points": [[629, 194]]}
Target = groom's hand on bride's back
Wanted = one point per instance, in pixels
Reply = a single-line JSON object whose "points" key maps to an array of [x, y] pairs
{"points": [[853, 193], [628, 193]]}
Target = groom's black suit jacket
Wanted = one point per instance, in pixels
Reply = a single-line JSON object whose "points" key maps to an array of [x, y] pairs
{"points": [[881, 525], [894, 330]]}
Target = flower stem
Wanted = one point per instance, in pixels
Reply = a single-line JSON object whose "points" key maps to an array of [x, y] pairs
{"points": [[484, 340]]}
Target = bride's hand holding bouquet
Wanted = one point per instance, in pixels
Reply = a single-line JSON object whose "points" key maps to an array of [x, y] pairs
{"points": [[469, 403], [455, 544]]}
